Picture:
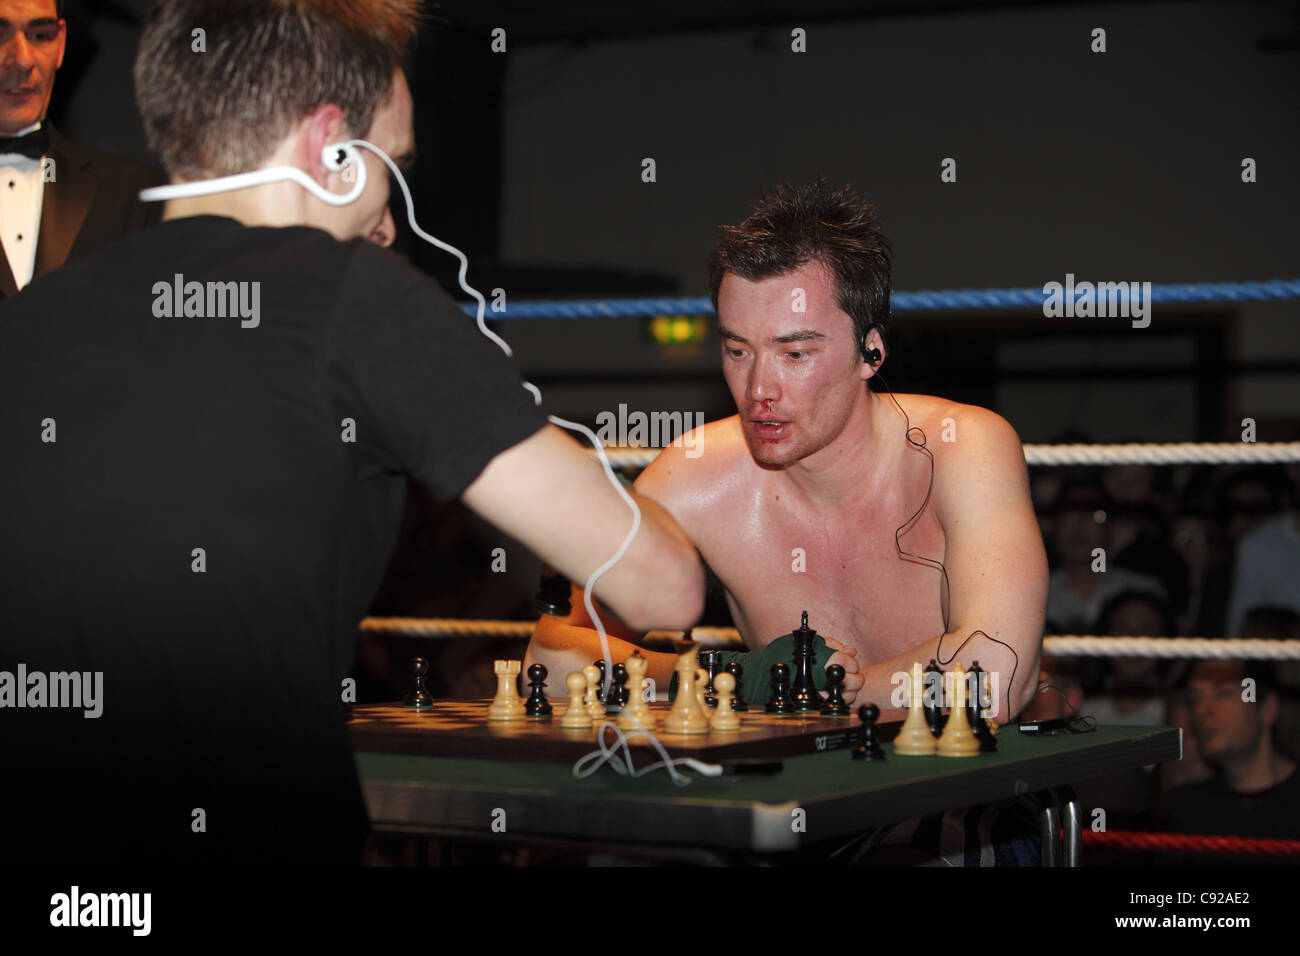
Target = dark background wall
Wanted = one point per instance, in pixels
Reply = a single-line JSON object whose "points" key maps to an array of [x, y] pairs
{"points": [[1116, 166]]}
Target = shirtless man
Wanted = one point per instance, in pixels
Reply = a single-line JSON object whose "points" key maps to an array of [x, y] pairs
{"points": [[794, 502]]}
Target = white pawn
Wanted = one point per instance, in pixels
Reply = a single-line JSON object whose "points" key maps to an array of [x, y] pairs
{"points": [[725, 718], [575, 715], [595, 709], [636, 713], [915, 739]]}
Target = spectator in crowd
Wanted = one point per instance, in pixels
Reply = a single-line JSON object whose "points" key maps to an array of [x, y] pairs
{"points": [[1264, 572], [1255, 788], [1198, 538], [1133, 689], [1281, 624], [1083, 578]]}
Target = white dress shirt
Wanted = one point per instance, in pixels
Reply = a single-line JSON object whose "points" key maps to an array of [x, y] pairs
{"points": [[22, 193]]}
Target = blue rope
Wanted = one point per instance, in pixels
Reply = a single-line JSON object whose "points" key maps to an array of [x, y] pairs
{"points": [[902, 301]]}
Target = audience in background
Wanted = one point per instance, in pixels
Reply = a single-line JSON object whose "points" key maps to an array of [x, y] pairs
{"points": [[1078, 590], [1198, 538], [1267, 570], [1255, 788], [1281, 624]]}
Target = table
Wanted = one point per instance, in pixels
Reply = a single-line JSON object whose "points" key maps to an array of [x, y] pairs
{"points": [[731, 818]]}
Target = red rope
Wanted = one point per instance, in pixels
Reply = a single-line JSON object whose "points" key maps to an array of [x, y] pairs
{"points": [[1241, 846]]}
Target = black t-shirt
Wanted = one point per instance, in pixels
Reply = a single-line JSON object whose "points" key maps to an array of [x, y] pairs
{"points": [[276, 438], [1211, 807]]}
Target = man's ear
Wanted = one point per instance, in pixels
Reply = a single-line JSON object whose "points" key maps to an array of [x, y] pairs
{"points": [[324, 126], [63, 42], [873, 340]]}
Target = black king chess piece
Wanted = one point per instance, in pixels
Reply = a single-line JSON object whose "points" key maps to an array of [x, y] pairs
{"points": [[780, 703], [737, 670], [835, 705], [419, 695], [869, 748], [804, 689], [976, 703], [537, 705]]}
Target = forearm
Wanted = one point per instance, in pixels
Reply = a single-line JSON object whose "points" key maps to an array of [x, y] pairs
{"points": [[564, 648], [881, 679], [661, 577], [553, 498]]}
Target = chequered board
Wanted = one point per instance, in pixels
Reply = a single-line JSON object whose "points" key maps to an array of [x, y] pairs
{"points": [[460, 728]]}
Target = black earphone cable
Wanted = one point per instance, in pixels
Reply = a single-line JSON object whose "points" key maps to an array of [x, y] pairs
{"points": [[945, 593]]}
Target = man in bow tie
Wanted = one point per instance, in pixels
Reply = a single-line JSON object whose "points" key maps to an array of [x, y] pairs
{"points": [[57, 201]]}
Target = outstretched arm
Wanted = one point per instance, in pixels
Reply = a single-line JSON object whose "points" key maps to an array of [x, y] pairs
{"points": [[553, 497], [565, 644]]}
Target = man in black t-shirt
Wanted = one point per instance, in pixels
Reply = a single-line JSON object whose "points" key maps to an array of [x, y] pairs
{"points": [[1255, 790], [207, 429]]}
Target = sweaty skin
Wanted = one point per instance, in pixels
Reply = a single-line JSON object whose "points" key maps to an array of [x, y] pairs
{"points": [[794, 504]]}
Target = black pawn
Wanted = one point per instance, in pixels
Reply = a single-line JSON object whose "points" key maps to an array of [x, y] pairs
{"points": [[869, 748], [419, 695], [780, 703], [537, 705], [618, 691], [932, 697], [736, 670], [976, 703], [834, 705], [600, 684]]}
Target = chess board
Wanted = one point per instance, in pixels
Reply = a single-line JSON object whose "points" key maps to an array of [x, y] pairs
{"points": [[460, 728]]}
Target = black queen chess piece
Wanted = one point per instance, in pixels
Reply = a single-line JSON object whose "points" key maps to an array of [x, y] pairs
{"points": [[419, 696], [710, 660], [977, 703], [737, 670], [932, 698]]}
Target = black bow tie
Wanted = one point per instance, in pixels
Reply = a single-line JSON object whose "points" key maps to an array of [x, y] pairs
{"points": [[33, 145]]}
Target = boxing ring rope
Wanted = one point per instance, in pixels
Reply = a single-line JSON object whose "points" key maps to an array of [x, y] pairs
{"points": [[904, 301], [1176, 453], [1065, 645]]}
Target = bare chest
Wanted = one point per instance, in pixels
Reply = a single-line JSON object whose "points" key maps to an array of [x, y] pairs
{"points": [[847, 572]]}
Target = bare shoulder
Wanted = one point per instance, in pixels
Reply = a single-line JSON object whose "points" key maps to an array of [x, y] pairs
{"points": [[961, 432], [976, 451], [697, 469]]}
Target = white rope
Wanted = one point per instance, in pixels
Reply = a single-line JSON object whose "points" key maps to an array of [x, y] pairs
{"points": [[446, 627], [1179, 453], [1190, 648], [1065, 645]]}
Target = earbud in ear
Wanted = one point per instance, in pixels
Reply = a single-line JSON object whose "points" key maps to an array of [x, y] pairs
{"points": [[337, 155], [869, 355]]}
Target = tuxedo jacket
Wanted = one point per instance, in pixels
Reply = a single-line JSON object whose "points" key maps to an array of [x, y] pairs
{"points": [[92, 200]]}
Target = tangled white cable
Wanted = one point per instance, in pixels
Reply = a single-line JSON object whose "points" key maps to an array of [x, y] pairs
{"points": [[609, 754]]}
